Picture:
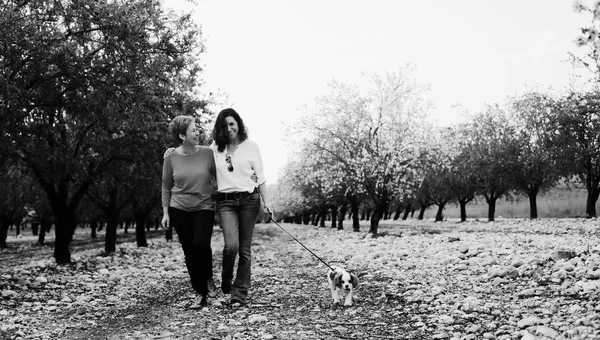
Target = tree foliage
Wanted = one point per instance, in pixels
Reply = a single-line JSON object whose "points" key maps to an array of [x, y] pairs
{"points": [[84, 83], [369, 139]]}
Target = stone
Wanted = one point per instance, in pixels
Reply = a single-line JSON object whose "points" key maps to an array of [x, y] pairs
{"points": [[592, 274], [528, 322], [527, 336], [546, 331], [473, 329], [527, 292], [257, 319], [9, 294], [563, 254], [41, 279], [446, 319], [517, 263]]}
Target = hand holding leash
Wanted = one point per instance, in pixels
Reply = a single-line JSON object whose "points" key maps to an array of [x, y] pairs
{"points": [[267, 211]]}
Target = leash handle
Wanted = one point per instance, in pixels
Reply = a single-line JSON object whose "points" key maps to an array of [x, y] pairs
{"points": [[292, 236]]}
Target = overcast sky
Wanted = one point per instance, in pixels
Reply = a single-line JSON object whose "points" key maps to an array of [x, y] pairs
{"points": [[273, 56]]}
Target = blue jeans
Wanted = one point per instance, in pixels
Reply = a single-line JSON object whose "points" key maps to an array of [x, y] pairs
{"points": [[194, 230], [238, 218]]}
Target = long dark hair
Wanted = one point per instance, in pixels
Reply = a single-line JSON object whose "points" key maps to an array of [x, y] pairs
{"points": [[219, 133]]}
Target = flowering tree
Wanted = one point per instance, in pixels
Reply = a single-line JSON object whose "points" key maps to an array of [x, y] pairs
{"points": [[374, 137]]}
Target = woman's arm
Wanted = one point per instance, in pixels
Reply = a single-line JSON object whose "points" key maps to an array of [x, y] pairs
{"points": [[262, 189], [167, 185]]}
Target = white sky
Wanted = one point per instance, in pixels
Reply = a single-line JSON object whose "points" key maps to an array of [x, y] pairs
{"points": [[273, 56]]}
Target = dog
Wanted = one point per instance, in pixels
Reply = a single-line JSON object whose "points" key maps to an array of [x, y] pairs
{"points": [[342, 283]]}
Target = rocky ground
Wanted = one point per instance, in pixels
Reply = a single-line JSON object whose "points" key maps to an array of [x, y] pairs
{"points": [[510, 279]]}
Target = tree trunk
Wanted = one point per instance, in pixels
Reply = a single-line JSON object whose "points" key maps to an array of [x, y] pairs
{"points": [[463, 210], [378, 212], [64, 234], [306, 217], [342, 216], [140, 231], [334, 212], [3, 233], [322, 216], [398, 212], [491, 209], [533, 212], [45, 225], [406, 212], [439, 216], [35, 227], [110, 241], [592, 198], [354, 211], [94, 227], [18, 224], [421, 213]]}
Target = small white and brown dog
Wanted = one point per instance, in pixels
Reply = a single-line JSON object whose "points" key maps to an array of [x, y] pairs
{"points": [[342, 283]]}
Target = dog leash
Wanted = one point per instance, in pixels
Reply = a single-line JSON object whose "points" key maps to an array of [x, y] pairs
{"points": [[292, 236]]}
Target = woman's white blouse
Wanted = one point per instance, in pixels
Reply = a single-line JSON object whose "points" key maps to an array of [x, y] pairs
{"points": [[246, 160]]}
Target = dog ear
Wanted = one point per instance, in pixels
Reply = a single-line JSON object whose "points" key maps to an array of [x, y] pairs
{"points": [[331, 275], [337, 280], [354, 280]]}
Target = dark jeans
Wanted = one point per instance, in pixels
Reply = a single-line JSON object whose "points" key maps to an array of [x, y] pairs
{"points": [[238, 218], [195, 231]]}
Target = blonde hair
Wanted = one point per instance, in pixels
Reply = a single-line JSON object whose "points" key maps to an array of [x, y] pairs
{"points": [[179, 125]]}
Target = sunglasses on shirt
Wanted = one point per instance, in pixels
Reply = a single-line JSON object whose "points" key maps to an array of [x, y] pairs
{"points": [[228, 160]]}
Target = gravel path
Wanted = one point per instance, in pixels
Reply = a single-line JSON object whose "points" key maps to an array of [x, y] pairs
{"points": [[511, 279]]}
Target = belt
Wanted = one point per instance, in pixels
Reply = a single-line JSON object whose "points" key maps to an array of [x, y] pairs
{"points": [[238, 195]]}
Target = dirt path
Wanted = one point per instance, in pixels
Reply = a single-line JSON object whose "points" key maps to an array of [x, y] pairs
{"points": [[146, 295]]}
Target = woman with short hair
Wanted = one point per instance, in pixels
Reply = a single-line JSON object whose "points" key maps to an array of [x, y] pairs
{"points": [[187, 185]]}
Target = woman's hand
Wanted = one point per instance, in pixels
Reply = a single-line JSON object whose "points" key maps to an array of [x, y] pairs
{"points": [[165, 222], [168, 153], [268, 210]]}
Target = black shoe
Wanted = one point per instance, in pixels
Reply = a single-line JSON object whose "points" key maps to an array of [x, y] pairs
{"points": [[236, 304], [200, 302], [212, 289]]}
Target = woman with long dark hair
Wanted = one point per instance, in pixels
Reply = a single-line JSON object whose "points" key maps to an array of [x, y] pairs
{"points": [[237, 159]]}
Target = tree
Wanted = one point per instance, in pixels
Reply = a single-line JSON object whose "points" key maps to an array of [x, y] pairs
{"points": [[493, 152], [576, 127], [374, 136], [82, 83], [12, 199], [537, 162], [112, 193], [460, 180]]}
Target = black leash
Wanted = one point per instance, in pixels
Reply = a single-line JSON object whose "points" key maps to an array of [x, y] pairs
{"points": [[292, 236]]}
